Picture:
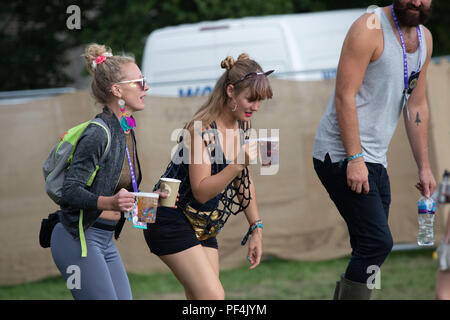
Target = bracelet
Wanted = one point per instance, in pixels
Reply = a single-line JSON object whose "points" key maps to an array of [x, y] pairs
{"points": [[253, 226], [256, 222], [356, 156]]}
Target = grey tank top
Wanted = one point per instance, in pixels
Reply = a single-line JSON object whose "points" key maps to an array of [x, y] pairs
{"points": [[378, 102]]}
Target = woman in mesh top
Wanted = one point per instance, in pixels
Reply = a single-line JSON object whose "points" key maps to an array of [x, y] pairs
{"points": [[211, 161]]}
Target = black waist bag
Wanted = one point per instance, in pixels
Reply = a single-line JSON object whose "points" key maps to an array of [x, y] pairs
{"points": [[47, 225]]}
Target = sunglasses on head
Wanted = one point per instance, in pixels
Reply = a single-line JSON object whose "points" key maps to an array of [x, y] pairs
{"points": [[251, 75], [140, 81]]}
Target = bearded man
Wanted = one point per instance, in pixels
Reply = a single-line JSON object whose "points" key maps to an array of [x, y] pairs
{"points": [[381, 73]]}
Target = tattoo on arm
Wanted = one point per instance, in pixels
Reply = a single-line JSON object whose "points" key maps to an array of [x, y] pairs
{"points": [[417, 121]]}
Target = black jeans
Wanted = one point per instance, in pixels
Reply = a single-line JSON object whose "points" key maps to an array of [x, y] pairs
{"points": [[366, 216]]}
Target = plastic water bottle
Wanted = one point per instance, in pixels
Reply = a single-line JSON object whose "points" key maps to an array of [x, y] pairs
{"points": [[426, 208]]}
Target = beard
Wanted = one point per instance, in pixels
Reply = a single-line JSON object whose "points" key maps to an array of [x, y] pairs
{"points": [[412, 19]]}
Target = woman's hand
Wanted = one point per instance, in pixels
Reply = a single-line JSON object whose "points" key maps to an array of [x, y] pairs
{"points": [[123, 201], [247, 154], [163, 195], [255, 248]]}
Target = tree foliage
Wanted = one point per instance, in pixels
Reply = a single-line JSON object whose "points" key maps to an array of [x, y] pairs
{"points": [[34, 37], [33, 43]]}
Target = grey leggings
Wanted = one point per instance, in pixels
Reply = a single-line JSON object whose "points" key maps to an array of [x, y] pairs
{"points": [[101, 274]]}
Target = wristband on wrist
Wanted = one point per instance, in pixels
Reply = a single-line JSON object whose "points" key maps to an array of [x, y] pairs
{"points": [[253, 226], [356, 156], [256, 222]]}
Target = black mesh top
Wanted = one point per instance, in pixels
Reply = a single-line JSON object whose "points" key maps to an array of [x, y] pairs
{"points": [[236, 196]]}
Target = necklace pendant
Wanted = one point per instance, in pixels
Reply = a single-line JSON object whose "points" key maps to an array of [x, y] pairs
{"points": [[125, 125]]}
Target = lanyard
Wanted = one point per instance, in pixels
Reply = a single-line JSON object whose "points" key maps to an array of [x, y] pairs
{"points": [[133, 215], [405, 59], [133, 176]]}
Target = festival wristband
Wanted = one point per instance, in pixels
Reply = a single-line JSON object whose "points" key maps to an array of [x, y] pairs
{"points": [[356, 156], [253, 226], [256, 222]]}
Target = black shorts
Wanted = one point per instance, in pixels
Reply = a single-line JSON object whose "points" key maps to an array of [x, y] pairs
{"points": [[172, 233]]}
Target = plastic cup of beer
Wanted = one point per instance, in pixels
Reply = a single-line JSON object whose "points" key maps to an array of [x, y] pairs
{"points": [[170, 187], [268, 149], [146, 206]]}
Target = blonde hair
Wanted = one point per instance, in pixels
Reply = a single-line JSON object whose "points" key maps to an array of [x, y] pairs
{"points": [[235, 69], [104, 74]]}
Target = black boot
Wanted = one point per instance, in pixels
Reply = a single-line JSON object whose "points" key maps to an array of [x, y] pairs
{"points": [[351, 290]]}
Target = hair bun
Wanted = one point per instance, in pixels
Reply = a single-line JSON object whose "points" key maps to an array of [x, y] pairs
{"points": [[92, 52], [228, 63], [243, 56]]}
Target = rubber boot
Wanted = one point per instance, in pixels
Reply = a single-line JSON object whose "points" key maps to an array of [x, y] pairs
{"points": [[336, 291], [351, 290]]}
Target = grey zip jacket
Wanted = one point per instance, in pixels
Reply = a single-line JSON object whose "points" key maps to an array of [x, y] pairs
{"points": [[90, 148]]}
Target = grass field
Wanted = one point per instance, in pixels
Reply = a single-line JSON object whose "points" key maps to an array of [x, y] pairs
{"points": [[405, 275]]}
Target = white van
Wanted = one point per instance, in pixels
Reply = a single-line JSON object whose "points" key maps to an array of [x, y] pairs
{"points": [[185, 60]]}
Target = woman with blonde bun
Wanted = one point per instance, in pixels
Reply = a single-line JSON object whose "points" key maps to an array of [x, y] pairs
{"points": [[215, 182], [82, 242]]}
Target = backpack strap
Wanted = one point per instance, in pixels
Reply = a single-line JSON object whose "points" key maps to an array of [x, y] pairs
{"points": [[101, 123], [82, 237]]}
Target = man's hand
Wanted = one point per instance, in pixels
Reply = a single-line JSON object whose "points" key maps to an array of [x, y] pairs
{"points": [[426, 184], [358, 176]]}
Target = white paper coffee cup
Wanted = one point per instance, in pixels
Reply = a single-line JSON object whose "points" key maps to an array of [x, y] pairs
{"points": [[170, 187]]}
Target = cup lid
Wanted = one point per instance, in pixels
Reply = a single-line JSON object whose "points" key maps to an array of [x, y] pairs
{"points": [[170, 180], [271, 139], [146, 194]]}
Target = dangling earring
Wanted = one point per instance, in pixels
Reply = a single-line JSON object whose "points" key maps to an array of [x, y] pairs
{"points": [[121, 104], [126, 122], [234, 109]]}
